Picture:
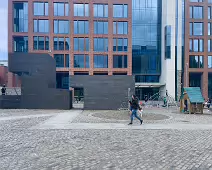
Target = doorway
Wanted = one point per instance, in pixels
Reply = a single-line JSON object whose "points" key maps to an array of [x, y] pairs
{"points": [[78, 98], [142, 92]]}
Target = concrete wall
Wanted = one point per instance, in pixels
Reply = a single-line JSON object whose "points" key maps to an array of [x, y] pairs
{"points": [[104, 92], [168, 65], [179, 47]]}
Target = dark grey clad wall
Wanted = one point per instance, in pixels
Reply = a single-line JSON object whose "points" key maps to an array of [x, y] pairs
{"points": [[38, 83], [104, 92], [10, 102]]}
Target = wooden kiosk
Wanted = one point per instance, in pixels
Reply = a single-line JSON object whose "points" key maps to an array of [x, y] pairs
{"points": [[191, 100]]}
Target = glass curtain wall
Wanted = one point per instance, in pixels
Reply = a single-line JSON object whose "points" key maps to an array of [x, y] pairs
{"points": [[146, 37]]}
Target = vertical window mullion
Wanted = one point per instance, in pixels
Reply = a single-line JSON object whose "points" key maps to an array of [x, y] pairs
{"points": [[192, 29], [122, 11], [97, 10], [104, 43], [44, 41], [64, 9], [116, 44], [58, 27], [103, 10], [37, 42], [84, 10], [122, 44], [84, 43], [198, 45], [192, 12], [64, 40], [84, 61], [84, 27], [58, 43]]}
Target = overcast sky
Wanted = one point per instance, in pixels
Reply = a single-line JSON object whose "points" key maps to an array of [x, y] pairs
{"points": [[3, 29]]}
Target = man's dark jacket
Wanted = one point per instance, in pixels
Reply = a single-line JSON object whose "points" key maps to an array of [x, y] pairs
{"points": [[134, 104]]}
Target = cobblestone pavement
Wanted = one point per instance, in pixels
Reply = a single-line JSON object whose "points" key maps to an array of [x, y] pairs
{"points": [[25, 148], [156, 116]]}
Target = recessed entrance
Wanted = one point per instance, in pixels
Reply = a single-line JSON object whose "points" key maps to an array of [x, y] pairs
{"points": [[78, 98], [142, 92]]}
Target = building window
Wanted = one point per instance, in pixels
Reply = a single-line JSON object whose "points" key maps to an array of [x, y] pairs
{"points": [[40, 43], [120, 27], [61, 9], [196, 62], [196, 45], [61, 43], [67, 60], [41, 9], [81, 44], [41, 26], [81, 61], [196, 28], [120, 44], [20, 44], [61, 60], [100, 73], [209, 29], [20, 10], [210, 45], [101, 44], [81, 73], [209, 12], [209, 61], [120, 74], [81, 27], [100, 61], [147, 79], [100, 27], [100, 10], [120, 11], [196, 12], [81, 10], [195, 80], [120, 61], [168, 42], [61, 27]]}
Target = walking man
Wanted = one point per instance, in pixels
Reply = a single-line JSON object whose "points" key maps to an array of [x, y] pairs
{"points": [[134, 106]]}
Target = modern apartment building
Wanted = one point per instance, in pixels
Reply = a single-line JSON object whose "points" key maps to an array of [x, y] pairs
{"points": [[85, 37], [198, 45], [143, 38]]}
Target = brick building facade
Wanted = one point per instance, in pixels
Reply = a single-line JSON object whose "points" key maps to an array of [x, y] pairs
{"points": [[8, 78], [3, 75], [71, 32], [198, 46]]}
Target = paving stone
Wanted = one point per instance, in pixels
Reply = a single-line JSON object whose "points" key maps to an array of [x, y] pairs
{"points": [[24, 148]]}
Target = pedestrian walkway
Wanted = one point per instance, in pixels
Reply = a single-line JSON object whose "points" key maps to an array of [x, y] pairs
{"points": [[65, 121], [107, 126]]}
